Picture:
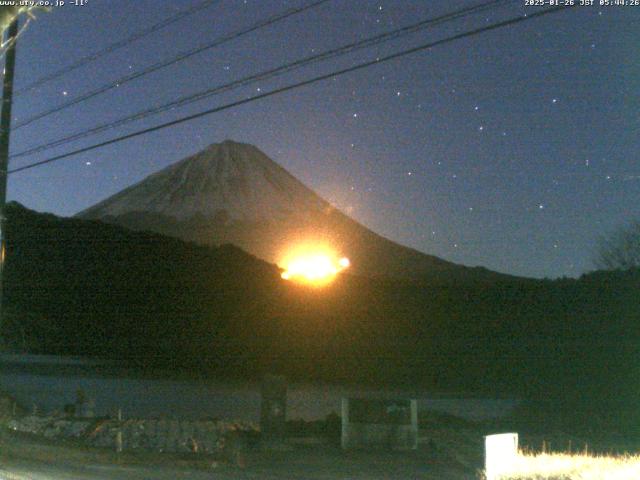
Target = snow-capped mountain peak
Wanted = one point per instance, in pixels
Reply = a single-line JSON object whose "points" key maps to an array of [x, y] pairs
{"points": [[229, 180]]}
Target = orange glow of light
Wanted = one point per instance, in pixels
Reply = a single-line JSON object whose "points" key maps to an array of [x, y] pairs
{"points": [[314, 268]]}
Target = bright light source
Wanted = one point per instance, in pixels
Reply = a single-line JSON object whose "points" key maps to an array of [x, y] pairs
{"points": [[501, 452], [313, 266]]}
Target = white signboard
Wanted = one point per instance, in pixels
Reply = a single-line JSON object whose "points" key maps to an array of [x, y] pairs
{"points": [[500, 454]]}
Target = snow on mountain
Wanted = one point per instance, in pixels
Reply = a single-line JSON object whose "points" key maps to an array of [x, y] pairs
{"points": [[231, 181], [233, 193]]}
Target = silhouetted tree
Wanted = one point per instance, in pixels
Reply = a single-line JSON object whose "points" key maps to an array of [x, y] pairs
{"points": [[620, 250]]}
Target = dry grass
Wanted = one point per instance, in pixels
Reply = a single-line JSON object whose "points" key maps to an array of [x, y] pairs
{"points": [[564, 466]]}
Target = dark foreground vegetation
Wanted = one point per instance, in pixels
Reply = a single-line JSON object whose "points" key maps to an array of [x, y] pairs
{"points": [[88, 288]]}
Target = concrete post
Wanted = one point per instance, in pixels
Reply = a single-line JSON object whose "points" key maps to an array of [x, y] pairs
{"points": [[344, 441], [119, 432], [273, 410]]}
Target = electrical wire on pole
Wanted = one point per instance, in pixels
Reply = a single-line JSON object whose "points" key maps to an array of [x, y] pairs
{"points": [[115, 46], [268, 74], [297, 85], [165, 63]]}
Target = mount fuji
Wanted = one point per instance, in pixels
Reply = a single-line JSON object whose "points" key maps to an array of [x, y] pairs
{"points": [[233, 193]]}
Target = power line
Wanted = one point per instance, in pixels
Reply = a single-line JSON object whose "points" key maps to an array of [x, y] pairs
{"points": [[297, 85], [264, 75], [165, 63], [116, 46]]}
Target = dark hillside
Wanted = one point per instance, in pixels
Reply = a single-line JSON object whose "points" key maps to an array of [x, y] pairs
{"points": [[85, 287]]}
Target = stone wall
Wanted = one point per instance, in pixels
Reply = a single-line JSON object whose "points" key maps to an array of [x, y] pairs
{"points": [[160, 435]]}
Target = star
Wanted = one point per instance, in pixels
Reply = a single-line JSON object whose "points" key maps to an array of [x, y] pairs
{"points": [[65, 93], [476, 108], [541, 207], [355, 115], [481, 128], [554, 100]]}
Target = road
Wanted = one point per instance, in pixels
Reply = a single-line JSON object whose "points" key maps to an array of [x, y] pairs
{"points": [[28, 470], [307, 466]]}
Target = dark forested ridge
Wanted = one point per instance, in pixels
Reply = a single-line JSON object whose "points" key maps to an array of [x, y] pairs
{"points": [[85, 287]]}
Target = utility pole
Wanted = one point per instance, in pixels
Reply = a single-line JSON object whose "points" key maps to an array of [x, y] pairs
{"points": [[5, 130]]}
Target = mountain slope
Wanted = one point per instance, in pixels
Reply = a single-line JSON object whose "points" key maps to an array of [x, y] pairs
{"points": [[229, 182], [234, 193]]}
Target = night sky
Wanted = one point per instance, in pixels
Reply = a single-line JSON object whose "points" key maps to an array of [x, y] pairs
{"points": [[515, 149]]}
